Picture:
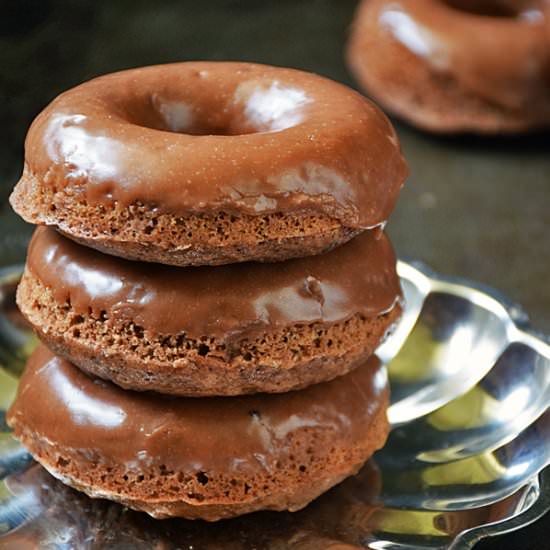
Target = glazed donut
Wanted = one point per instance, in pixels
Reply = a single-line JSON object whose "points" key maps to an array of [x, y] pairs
{"points": [[226, 330], [208, 458], [210, 163], [456, 65]]}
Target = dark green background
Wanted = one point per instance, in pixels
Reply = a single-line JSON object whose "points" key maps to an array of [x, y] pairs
{"points": [[478, 208]]}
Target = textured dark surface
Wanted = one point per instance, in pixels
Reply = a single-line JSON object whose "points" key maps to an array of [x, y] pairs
{"points": [[473, 207]]}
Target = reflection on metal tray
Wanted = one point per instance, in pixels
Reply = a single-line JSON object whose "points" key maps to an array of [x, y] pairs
{"points": [[465, 458]]}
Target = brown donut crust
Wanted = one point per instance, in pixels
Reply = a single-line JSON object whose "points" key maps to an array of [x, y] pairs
{"points": [[137, 232], [291, 493]]}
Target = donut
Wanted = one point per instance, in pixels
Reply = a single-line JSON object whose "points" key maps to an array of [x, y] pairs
{"points": [[225, 330], [456, 65], [208, 458], [207, 163]]}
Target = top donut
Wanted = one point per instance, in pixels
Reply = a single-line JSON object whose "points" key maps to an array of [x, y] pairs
{"points": [[207, 163]]}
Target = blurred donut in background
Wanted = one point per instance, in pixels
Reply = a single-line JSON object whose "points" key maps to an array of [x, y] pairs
{"points": [[456, 65]]}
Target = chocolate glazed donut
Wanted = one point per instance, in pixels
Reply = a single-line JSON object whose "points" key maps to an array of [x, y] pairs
{"points": [[208, 458], [456, 65], [210, 163], [225, 330]]}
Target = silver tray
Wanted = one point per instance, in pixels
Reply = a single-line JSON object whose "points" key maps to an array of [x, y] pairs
{"points": [[465, 459]]}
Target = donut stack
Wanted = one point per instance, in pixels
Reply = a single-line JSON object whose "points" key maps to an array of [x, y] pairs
{"points": [[209, 281]]}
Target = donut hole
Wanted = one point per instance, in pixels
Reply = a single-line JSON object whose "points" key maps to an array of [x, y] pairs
{"points": [[179, 117], [254, 107], [182, 118], [488, 8]]}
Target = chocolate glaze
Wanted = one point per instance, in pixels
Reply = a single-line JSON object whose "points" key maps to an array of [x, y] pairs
{"points": [[499, 49], [237, 434], [238, 137], [227, 302]]}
